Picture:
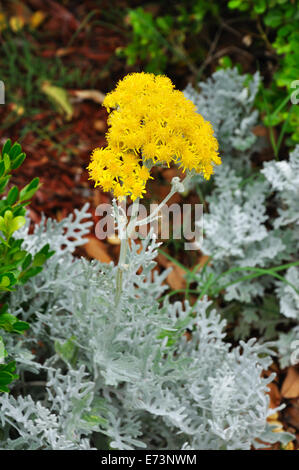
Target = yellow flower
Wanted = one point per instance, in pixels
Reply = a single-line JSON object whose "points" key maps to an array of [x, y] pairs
{"points": [[114, 166], [144, 173], [119, 191], [150, 121], [130, 164], [149, 150], [107, 182], [164, 153], [137, 190]]}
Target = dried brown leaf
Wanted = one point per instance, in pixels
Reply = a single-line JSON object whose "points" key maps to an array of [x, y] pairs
{"points": [[290, 386], [94, 95], [275, 397], [176, 277], [97, 249]]}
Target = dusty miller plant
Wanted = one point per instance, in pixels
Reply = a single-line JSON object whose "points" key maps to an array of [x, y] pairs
{"points": [[127, 377], [226, 99], [284, 179], [253, 250], [140, 372], [252, 218]]}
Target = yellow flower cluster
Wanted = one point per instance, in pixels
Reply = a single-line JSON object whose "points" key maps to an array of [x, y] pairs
{"points": [[150, 122]]}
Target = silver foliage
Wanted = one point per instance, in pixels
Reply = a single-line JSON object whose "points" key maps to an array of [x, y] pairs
{"points": [[57, 423], [252, 218], [288, 348], [226, 100], [236, 235], [129, 373], [288, 297], [128, 376]]}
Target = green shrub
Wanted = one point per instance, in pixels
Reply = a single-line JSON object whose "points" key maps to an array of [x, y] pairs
{"points": [[16, 264], [278, 24], [157, 40]]}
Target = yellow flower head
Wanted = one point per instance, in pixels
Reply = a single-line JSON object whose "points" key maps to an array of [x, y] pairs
{"points": [[150, 123]]}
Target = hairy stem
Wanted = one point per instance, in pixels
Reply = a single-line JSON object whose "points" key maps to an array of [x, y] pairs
{"points": [[174, 189], [123, 250], [120, 268], [127, 231]]}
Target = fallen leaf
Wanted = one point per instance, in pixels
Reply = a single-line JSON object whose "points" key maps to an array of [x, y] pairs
{"points": [[162, 260], [176, 278], [37, 18], [114, 240], [291, 413], [16, 23], [60, 98], [97, 249], [202, 261], [275, 397], [63, 51], [290, 386], [94, 95]]}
